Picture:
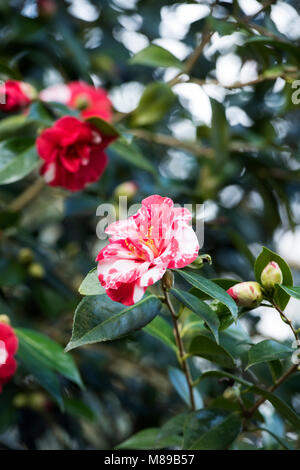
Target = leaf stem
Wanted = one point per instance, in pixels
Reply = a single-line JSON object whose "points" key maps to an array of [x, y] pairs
{"points": [[182, 356]]}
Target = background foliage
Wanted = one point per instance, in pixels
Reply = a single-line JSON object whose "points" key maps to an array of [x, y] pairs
{"points": [[215, 123]]}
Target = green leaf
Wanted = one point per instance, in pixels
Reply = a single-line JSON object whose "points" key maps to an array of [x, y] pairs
{"points": [[178, 379], [220, 131], [204, 346], [148, 439], [91, 284], [98, 318], [18, 159], [201, 309], [104, 127], [267, 350], [159, 328], [281, 297], [38, 112], [210, 288], [17, 125], [155, 102], [223, 27], [211, 429], [156, 56], [292, 291], [48, 353], [281, 406], [132, 154], [79, 409]]}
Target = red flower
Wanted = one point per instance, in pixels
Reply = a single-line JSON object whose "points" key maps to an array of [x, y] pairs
{"points": [[73, 152], [15, 95], [8, 348], [89, 100]]}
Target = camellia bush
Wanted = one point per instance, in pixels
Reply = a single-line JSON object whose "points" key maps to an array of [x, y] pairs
{"points": [[149, 216]]}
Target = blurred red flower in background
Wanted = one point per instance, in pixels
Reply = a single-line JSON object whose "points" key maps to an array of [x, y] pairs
{"points": [[15, 95], [8, 348], [89, 100], [73, 151]]}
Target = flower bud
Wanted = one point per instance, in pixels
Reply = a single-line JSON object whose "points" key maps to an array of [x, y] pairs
{"points": [[25, 255], [230, 393], [246, 294], [200, 261], [4, 319], [167, 280], [271, 275], [36, 270], [128, 189]]}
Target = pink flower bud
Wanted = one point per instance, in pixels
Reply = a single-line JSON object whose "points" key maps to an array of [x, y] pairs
{"points": [[271, 275], [246, 294]]}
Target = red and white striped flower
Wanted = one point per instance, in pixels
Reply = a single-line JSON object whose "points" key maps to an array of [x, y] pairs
{"points": [[141, 248]]}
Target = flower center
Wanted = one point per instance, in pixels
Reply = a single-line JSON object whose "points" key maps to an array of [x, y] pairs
{"points": [[3, 353]]}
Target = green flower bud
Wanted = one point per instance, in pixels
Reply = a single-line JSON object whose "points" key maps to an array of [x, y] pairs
{"points": [[200, 261], [36, 270], [271, 275], [128, 189], [246, 294], [25, 255], [4, 319], [167, 280]]}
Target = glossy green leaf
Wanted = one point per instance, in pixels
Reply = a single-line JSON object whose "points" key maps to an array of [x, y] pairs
{"points": [[129, 152], [281, 297], [156, 56], [159, 328], [48, 353], [201, 309], [292, 291], [15, 125], [210, 288], [206, 347], [220, 131], [211, 429], [98, 318], [178, 380], [268, 350], [283, 409], [104, 127], [155, 102], [91, 284], [148, 439], [18, 159]]}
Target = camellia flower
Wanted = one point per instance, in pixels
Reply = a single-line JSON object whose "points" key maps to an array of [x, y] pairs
{"points": [[8, 348], [73, 152], [15, 95], [89, 100], [142, 247], [246, 294]]}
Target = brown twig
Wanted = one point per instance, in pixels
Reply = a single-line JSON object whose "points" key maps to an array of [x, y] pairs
{"points": [[182, 361], [278, 382], [27, 196], [285, 319]]}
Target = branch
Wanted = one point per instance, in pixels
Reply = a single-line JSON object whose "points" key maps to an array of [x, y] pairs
{"points": [[27, 196], [285, 319], [179, 343], [171, 141]]}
